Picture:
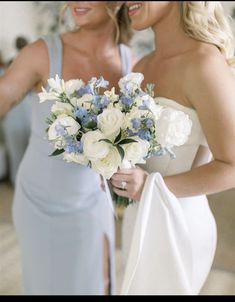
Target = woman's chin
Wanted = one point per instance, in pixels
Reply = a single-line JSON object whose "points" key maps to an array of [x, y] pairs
{"points": [[139, 26]]}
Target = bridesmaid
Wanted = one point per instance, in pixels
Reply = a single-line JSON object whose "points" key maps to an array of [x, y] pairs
{"points": [[64, 224], [174, 238]]}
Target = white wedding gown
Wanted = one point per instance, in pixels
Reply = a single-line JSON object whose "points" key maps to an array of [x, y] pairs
{"points": [[169, 243]]}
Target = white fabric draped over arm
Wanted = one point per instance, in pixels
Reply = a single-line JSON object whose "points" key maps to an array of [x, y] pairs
{"points": [[160, 258]]}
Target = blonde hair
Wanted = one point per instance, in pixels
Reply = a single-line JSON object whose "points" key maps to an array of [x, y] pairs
{"points": [[206, 21], [121, 21], [120, 18]]}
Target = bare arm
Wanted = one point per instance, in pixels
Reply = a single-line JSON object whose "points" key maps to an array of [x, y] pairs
{"points": [[24, 74], [211, 90]]}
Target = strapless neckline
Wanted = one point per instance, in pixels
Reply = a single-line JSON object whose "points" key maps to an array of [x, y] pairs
{"points": [[175, 103]]}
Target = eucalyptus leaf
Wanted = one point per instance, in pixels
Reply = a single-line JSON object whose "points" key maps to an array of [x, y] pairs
{"points": [[127, 141], [118, 137], [120, 151], [57, 152], [105, 140]]}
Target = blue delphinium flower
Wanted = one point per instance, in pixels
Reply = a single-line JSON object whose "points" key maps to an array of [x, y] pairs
{"points": [[98, 83], [74, 146], [60, 130], [144, 134], [100, 102], [81, 113], [89, 118], [136, 123], [159, 152], [149, 123], [101, 82], [126, 101], [130, 132], [88, 89]]}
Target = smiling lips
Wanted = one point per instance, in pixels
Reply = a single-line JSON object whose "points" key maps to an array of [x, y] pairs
{"points": [[79, 11], [134, 8]]}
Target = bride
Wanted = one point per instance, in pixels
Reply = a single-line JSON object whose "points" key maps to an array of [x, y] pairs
{"points": [[171, 230]]}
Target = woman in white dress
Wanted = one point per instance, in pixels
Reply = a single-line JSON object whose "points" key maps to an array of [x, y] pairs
{"points": [[170, 233]]}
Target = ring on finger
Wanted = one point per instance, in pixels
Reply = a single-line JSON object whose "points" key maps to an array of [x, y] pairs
{"points": [[124, 184]]}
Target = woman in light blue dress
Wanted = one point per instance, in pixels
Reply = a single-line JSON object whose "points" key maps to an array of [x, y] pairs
{"points": [[63, 221]]}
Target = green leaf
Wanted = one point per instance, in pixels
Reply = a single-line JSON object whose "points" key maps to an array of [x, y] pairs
{"points": [[90, 125], [118, 137], [120, 151], [57, 152], [127, 141], [105, 140]]}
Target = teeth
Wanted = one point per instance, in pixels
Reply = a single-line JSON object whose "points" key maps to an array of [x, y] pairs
{"points": [[134, 6], [82, 9]]}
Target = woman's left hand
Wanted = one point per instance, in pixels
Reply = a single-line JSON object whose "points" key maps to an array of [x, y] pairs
{"points": [[129, 182]]}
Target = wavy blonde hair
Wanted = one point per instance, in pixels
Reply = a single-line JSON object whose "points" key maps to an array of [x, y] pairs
{"points": [[206, 21], [120, 18]]}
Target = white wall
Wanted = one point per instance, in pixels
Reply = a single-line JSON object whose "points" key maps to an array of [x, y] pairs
{"points": [[16, 18]]}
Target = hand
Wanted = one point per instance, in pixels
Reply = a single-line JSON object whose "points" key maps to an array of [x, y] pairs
{"points": [[129, 182]]}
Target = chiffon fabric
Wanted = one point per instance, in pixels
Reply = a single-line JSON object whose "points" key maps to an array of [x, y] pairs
{"points": [[60, 213]]}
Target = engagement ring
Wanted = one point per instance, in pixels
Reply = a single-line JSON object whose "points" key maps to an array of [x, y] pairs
{"points": [[124, 185]]}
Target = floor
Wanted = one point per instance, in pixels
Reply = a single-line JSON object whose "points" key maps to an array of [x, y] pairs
{"points": [[221, 280]]}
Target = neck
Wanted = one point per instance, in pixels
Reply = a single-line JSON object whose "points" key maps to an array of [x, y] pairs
{"points": [[98, 41], [170, 39]]}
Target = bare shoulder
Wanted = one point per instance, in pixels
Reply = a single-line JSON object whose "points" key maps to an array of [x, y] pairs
{"points": [[205, 70], [141, 64], [34, 56], [35, 49], [206, 64]]}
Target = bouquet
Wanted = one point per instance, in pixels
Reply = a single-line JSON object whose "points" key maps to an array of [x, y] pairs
{"points": [[93, 126]]}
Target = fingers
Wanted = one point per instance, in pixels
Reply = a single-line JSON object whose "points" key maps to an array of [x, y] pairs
{"points": [[117, 184], [122, 177], [121, 192], [126, 171]]}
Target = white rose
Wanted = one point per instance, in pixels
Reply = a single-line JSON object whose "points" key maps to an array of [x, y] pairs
{"points": [[173, 128], [92, 147], [108, 165], [155, 109], [130, 82], [72, 86], [67, 122], [62, 108], [136, 152], [110, 121], [76, 158]]}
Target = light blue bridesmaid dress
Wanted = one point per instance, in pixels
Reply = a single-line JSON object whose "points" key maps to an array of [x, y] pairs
{"points": [[60, 213]]}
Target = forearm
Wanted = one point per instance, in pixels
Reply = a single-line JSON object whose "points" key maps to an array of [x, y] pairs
{"points": [[6, 105], [9, 97], [210, 178]]}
